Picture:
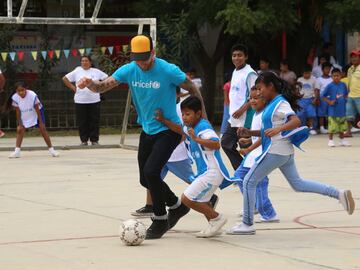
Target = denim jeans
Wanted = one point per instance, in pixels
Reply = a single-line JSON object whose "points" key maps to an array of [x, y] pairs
{"points": [[263, 203], [286, 164]]}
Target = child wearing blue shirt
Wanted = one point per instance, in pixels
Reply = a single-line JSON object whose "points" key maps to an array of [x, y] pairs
{"points": [[204, 146], [335, 95]]}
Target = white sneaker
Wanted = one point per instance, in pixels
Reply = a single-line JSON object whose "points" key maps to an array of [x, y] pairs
{"points": [[241, 229], [344, 142], [274, 219], [347, 201], [354, 129], [15, 154], [331, 143], [323, 130], [213, 228], [54, 153], [313, 132]]}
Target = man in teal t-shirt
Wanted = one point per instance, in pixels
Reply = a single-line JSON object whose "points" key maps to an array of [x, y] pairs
{"points": [[152, 82]]}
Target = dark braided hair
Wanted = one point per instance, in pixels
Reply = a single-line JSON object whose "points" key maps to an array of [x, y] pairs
{"points": [[290, 93]]}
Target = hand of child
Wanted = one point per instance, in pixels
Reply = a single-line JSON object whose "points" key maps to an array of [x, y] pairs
{"points": [[358, 124], [192, 134], [159, 115], [316, 102], [243, 132], [271, 132], [331, 102], [244, 151], [238, 113]]}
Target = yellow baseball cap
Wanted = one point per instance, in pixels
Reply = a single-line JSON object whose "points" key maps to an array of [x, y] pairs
{"points": [[141, 47]]}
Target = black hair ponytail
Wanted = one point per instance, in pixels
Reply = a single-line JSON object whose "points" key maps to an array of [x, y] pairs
{"points": [[290, 93]]}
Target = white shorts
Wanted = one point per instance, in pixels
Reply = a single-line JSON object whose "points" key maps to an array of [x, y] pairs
{"points": [[204, 186]]}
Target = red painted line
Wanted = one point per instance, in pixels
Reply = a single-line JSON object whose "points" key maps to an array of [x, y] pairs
{"points": [[57, 239], [298, 221]]}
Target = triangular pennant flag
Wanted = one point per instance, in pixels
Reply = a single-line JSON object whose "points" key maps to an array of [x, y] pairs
{"points": [[4, 56], [12, 56], [74, 52], [88, 51], [81, 51], [20, 55], [103, 50], [111, 49], [66, 53], [57, 53], [34, 54], [125, 48], [51, 54], [44, 53], [117, 49]]}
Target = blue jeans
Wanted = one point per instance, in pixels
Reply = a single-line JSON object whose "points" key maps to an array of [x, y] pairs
{"points": [[263, 203], [181, 169], [225, 119], [286, 164], [352, 108]]}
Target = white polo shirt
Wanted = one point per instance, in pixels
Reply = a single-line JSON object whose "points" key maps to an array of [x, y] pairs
{"points": [[85, 95]]}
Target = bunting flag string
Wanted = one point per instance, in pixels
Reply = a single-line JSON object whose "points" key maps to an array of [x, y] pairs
{"points": [[56, 54], [4, 56], [12, 55], [34, 55]]}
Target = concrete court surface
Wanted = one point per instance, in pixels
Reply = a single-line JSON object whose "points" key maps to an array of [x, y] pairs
{"points": [[64, 213]]}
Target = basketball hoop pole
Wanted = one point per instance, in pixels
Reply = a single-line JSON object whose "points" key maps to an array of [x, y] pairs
{"points": [[81, 20]]}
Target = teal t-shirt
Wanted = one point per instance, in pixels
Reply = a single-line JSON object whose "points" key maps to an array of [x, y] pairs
{"points": [[151, 90]]}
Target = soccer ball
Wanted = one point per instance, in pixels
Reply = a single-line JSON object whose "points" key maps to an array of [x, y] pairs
{"points": [[132, 232]]}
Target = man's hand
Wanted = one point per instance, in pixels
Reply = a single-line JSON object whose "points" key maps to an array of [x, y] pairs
{"points": [[271, 132], [84, 82], [243, 132], [159, 115]]}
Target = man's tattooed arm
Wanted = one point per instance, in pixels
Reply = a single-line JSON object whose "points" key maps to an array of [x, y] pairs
{"points": [[98, 86]]}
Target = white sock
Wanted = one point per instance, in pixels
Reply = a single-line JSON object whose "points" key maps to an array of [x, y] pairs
{"points": [[17, 149], [51, 149], [217, 218]]}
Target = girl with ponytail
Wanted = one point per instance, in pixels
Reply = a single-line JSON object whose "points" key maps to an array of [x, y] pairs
{"points": [[280, 131]]}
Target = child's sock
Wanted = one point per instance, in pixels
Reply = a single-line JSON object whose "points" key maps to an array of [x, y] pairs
{"points": [[53, 152], [17, 149]]}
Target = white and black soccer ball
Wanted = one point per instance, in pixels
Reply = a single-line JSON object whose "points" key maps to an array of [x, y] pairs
{"points": [[132, 232]]}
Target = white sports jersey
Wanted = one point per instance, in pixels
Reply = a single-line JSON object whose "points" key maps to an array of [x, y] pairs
{"points": [[86, 96], [241, 82], [255, 125], [322, 82], [26, 106]]}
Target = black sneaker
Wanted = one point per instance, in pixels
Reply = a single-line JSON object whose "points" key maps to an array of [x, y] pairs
{"points": [[157, 229], [214, 201], [94, 143], [177, 213], [146, 211]]}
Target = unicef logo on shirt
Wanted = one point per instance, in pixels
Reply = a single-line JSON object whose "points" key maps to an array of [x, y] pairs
{"points": [[155, 85], [151, 84]]}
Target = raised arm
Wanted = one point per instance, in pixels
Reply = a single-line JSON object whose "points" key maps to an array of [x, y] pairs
{"points": [[194, 91], [98, 86]]}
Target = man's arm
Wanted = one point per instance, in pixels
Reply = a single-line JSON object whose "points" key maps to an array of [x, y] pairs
{"points": [[68, 84], [194, 91], [98, 86]]}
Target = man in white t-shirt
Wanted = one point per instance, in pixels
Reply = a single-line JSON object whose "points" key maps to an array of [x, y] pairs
{"points": [[87, 103], [243, 78]]}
